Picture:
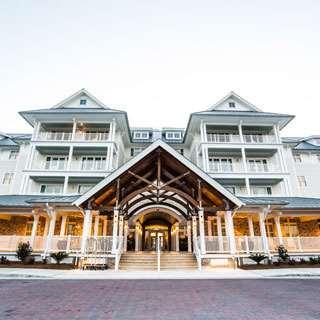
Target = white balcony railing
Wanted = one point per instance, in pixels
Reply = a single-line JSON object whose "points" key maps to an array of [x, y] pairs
{"points": [[258, 138], [91, 136], [295, 244], [262, 167], [223, 138], [54, 136], [224, 167]]}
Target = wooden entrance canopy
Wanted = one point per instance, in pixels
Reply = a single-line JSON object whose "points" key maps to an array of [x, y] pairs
{"points": [[158, 176]]}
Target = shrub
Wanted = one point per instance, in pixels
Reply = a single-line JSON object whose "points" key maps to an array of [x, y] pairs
{"points": [[59, 256], [4, 260], [283, 253], [313, 260], [302, 261], [28, 260], [291, 262], [257, 257], [24, 250]]}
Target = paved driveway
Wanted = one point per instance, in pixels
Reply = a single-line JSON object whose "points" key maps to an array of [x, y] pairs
{"points": [[160, 299]]}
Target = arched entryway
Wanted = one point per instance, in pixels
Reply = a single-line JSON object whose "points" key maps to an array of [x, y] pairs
{"points": [[149, 225]]}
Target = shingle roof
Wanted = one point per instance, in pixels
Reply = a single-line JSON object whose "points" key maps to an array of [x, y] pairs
{"points": [[26, 201], [285, 202]]}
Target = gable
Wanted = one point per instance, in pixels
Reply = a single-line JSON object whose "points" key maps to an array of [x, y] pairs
{"points": [[233, 102], [81, 99]]}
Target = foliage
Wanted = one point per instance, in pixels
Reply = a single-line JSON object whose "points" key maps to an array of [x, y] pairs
{"points": [[302, 261], [4, 260], [257, 257], [283, 253], [28, 260], [24, 250], [59, 256], [313, 260], [291, 262]]}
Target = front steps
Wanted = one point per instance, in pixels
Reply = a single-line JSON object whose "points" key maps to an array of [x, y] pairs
{"points": [[148, 261]]}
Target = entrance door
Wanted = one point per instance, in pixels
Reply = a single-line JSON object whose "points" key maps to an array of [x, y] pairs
{"points": [[154, 238]]}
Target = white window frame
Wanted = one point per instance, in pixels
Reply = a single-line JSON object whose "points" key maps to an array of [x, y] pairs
{"points": [[93, 163], [297, 158], [56, 188], [56, 162], [220, 164], [232, 104], [135, 151], [255, 192], [141, 135], [173, 135], [85, 102], [302, 181], [87, 187], [7, 178], [13, 154]]}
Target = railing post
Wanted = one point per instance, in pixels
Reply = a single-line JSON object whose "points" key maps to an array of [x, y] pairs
{"points": [[189, 236], [86, 230], [246, 242], [115, 230], [68, 243], [194, 232], [263, 233], [201, 231], [219, 231], [299, 244], [230, 231]]}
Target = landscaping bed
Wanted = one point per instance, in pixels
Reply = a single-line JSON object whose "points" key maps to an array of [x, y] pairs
{"points": [[276, 266], [38, 265]]}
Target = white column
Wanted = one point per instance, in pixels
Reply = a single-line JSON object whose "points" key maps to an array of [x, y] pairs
{"points": [[136, 235], [244, 160], [63, 225], [105, 227], [240, 132], [248, 186], [219, 231], [96, 225], [34, 228], [250, 225], [189, 236], [278, 227], [125, 236], [51, 229], [209, 226], [74, 128], [86, 229], [69, 158], [230, 231], [65, 185], [263, 232], [201, 231], [32, 152], [115, 229], [46, 227], [194, 231], [177, 237], [121, 225]]}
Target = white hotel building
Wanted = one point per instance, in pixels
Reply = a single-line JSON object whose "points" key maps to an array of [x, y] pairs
{"points": [[225, 186]]}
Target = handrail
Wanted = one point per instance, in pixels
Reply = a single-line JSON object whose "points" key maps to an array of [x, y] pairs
{"points": [[118, 253], [158, 252]]}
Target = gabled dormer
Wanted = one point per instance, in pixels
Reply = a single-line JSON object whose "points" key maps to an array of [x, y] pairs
{"points": [[81, 99], [233, 102]]}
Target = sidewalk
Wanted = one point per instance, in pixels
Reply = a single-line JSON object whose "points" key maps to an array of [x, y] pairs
{"points": [[221, 273]]}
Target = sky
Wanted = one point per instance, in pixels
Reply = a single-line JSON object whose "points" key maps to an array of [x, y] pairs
{"points": [[161, 60]]}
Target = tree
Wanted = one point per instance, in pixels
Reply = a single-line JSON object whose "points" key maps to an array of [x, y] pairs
{"points": [[23, 251]]}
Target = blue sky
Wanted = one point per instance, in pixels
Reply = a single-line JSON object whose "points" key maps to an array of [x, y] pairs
{"points": [[161, 60]]}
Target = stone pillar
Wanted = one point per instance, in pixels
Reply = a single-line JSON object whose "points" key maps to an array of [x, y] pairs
{"points": [[34, 228], [219, 232], [189, 236], [278, 227], [263, 232], [115, 229], [194, 231], [177, 237], [96, 226], [86, 229], [201, 231], [230, 231], [105, 227], [63, 225], [125, 236], [137, 237], [250, 225]]}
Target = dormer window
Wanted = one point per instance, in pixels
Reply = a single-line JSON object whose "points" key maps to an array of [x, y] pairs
{"points": [[83, 102], [173, 135], [142, 135], [232, 105]]}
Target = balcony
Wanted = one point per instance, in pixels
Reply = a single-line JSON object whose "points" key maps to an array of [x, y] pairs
{"points": [[221, 166], [54, 136], [91, 136], [259, 139], [67, 136], [254, 167], [223, 138]]}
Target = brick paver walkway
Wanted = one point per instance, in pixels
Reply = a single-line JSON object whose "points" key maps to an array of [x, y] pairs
{"points": [[160, 299]]}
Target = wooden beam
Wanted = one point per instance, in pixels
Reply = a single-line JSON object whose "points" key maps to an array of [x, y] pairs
{"points": [[176, 179], [118, 192], [142, 179]]}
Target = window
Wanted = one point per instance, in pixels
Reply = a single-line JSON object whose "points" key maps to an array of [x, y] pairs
{"points": [[51, 188], [290, 227], [83, 188], [215, 227], [93, 163], [220, 165], [7, 178], [232, 105], [135, 151], [270, 228], [13, 155], [231, 189], [262, 190], [173, 135], [302, 181], [83, 102], [141, 135], [55, 163], [297, 158], [258, 165]]}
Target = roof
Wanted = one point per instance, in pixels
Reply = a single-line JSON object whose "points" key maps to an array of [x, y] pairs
{"points": [[13, 139], [285, 202], [158, 143], [26, 201]]}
